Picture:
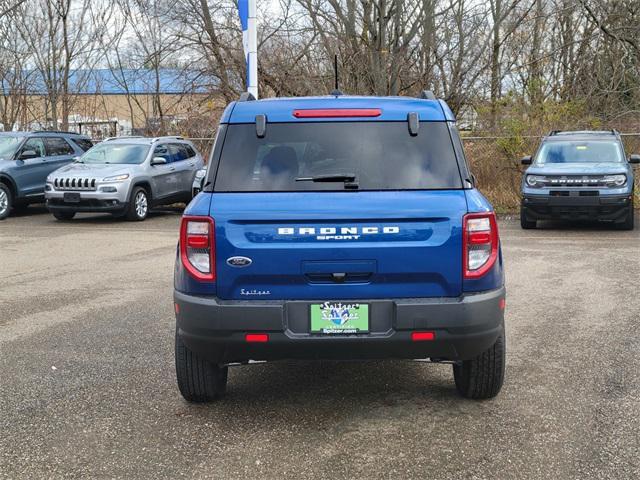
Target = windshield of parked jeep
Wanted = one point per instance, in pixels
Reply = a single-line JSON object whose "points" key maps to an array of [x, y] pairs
{"points": [[8, 146], [116, 153], [591, 151], [337, 156]]}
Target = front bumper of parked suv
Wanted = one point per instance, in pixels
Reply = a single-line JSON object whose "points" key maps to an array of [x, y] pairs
{"points": [[102, 197], [576, 205]]}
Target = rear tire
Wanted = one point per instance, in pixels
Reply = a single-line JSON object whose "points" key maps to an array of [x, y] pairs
{"points": [[64, 216], [138, 205], [482, 377], [6, 201], [524, 223], [199, 381]]}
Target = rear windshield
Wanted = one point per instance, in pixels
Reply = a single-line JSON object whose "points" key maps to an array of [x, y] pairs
{"points": [[592, 151], [376, 155]]}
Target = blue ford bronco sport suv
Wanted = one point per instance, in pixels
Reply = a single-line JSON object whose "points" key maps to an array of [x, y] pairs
{"points": [[27, 158], [338, 227], [579, 176]]}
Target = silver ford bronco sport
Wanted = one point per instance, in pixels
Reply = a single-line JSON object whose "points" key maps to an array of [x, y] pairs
{"points": [[125, 176]]}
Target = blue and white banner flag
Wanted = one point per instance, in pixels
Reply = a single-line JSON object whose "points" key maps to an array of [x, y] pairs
{"points": [[247, 12]]}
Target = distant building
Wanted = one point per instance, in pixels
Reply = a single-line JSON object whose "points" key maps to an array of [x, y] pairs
{"points": [[105, 102]]}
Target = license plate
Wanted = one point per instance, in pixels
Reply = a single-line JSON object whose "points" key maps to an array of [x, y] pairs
{"points": [[335, 318], [71, 197]]}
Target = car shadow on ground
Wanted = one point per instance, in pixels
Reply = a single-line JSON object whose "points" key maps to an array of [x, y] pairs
{"points": [[578, 226], [567, 225], [97, 218], [332, 390]]}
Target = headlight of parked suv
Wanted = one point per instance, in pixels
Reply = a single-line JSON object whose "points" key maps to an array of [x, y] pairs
{"points": [[201, 173], [116, 178], [535, 181], [615, 180]]}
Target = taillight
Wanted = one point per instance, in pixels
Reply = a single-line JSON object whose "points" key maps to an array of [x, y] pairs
{"points": [[197, 247], [480, 243]]}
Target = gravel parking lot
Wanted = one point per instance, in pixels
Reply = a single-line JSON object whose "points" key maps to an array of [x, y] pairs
{"points": [[88, 386]]}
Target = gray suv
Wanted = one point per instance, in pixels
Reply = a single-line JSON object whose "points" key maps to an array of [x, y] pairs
{"points": [[125, 176], [26, 158]]}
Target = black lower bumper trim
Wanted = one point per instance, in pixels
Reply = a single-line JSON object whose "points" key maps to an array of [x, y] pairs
{"points": [[464, 327], [575, 207], [87, 206]]}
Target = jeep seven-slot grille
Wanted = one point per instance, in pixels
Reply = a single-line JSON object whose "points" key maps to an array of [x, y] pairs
{"points": [[74, 183]]}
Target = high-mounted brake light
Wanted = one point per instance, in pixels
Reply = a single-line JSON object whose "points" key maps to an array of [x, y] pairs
{"points": [[480, 243], [197, 247], [337, 112]]}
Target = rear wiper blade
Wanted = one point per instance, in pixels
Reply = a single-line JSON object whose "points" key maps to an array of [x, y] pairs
{"points": [[331, 177]]}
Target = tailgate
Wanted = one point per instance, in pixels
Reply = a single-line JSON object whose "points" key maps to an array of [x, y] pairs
{"points": [[338, 245]]}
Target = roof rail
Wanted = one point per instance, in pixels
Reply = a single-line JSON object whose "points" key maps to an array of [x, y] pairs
{"points": [[584, 132], [246, 97], [122, 136], [175, 137], [427, 95], [56, 131]]}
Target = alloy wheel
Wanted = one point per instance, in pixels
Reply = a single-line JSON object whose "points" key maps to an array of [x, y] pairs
{"points": [[4, 202], [141, 204]]}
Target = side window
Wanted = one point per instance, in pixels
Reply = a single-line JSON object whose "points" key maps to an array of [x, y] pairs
{"points": [[35, 144], [459, 149], [190, 151], [57, 146], [84, 143], [178, 151], [163, 151]]}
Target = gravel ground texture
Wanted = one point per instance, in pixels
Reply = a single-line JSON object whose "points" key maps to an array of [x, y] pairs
{"points": [[88, 389]]}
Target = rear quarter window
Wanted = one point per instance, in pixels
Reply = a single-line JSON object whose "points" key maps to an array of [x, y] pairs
{"points": [[84, 143], [56, 146], [381, 156]]}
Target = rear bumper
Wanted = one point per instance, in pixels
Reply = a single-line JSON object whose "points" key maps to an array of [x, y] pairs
{"points": [[463, 326], [576, 207]]}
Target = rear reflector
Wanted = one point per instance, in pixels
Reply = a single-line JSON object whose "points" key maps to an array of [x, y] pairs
{"points": [[256, 337], [503, 304], [337, 112], [422, 336]]}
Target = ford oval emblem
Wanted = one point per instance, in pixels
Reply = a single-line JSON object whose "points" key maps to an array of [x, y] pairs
{"points": [[239, 261]]}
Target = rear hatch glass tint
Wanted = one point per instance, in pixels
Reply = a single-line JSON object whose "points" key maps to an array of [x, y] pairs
{"points": [[376, 155]]}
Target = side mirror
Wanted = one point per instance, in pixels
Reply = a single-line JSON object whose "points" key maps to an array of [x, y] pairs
{"points": [[158, 161], [76, 159], [634, 158], [526, 160], [27, 154]]}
